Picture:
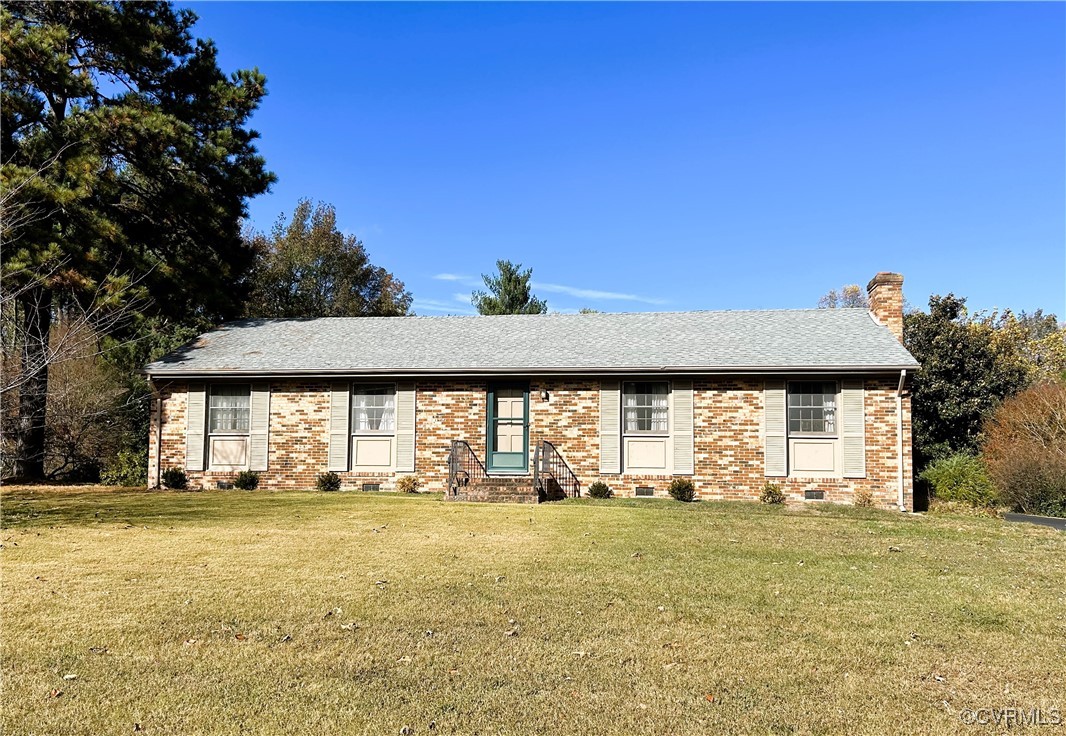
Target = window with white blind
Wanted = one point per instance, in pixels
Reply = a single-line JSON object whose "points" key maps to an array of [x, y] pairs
{"points": [[646, 408], [374, 410], [229, 410]]}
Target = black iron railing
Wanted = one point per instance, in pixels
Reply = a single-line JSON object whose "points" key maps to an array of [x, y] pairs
{"points": [[552, 477], [464, 467]]}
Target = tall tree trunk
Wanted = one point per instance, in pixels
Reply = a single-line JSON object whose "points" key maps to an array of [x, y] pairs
{"points": [[36, 306]]}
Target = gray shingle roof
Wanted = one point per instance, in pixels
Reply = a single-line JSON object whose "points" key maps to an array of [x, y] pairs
{"points": [[748, 341]]}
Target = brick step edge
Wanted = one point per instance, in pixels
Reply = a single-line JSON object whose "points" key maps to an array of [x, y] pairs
{"points": [[495, 497]]}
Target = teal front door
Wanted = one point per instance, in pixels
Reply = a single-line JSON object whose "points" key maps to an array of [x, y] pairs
{"points": [[508, 429]]}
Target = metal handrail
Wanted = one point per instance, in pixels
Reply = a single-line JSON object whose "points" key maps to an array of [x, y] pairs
{"points": [[549, 462], [463, 467]]}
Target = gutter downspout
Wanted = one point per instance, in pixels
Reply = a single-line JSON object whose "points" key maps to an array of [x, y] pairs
{"points": [[157, 399], [899, 435]]}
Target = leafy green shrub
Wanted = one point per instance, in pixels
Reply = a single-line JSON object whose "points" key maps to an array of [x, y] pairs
{"points": [[175, 479], [682, 490], [1025, 450], [599, 489], [407, 484], [771, 494], [328, 481], [960, 477], [246, 480], [127, 468]]}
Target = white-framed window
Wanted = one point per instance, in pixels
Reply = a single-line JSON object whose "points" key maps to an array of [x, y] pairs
{"points": [[373, 409], [229, 410], [646, 407], [812, 408]]}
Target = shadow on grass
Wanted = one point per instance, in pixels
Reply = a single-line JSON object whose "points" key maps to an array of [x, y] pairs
{"points": [[28, 509]]}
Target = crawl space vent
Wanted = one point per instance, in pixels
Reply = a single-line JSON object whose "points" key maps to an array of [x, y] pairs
{"points": [[814, 495], [645, 491], [371, 486]]}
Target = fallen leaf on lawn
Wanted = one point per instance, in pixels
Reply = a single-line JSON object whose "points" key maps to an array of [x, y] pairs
{"points": [[430, 632], [381, 582], [894, 549], [709, 698], [287, 637], [406, 731], [511, 632], [580, 654], [499, 578], [405, 659], [660, 609], [55, 693], [70, 677], [453, 671], [190, 642], [98, 650], [350, 626], [138, 727], [239, 637], [637, 555]]}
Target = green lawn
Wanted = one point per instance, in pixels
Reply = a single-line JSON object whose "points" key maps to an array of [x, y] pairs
{"points": [[274, 613]]}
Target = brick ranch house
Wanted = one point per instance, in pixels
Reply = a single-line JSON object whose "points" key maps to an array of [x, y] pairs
{"points": [[521, 406]]}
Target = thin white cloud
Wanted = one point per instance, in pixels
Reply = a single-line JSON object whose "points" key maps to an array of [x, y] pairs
{"points": [[440, 307], [458, 278], [595, 294], [460, 297]]}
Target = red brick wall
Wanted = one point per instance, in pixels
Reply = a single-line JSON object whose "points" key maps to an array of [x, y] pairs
{"points": [[728, 429]]}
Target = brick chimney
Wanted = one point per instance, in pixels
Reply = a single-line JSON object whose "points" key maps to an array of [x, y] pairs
{"points": [[885, 292]]}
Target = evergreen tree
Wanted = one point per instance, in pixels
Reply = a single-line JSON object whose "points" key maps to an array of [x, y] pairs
{"points": [[963, 377], [508, 292], [130, 162]]}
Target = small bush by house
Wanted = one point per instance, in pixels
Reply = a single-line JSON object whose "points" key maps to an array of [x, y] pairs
{"points": [[128, 468], [175, 479], [328, 481], [599, 489], [864, 499], [246, 480], [682, 490], [960, 477], [771, 494], [407, 484]]}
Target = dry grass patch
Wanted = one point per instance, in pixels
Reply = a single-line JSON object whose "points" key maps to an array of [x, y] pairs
{"points": [[276, 613]]}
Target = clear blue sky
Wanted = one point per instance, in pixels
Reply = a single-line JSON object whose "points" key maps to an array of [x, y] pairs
{"points": [[673, 156]]}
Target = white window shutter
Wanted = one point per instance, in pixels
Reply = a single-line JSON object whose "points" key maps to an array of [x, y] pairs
{"points": [[195, 426], [610, 427], [405, 428], [258, 426], [340, 439], [775, 424], [853, 428], [682, 430]]}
